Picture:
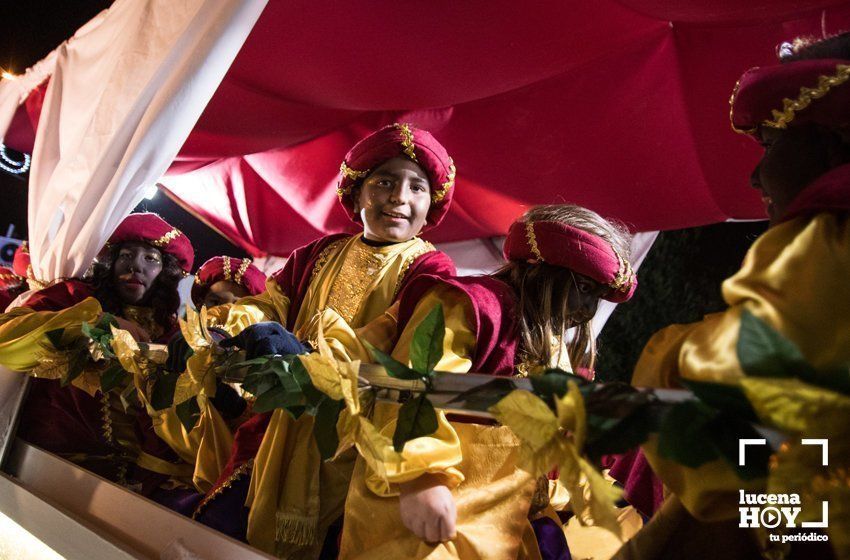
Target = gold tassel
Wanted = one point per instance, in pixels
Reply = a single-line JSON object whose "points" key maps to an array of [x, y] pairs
{"points": [[300, 531]]}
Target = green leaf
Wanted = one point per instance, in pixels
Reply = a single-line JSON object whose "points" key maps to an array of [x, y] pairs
{"points": [[484, 396], [606, 435], [416, 418], [162, 393], [684, 432], [724, 434], [324, 427], [107, 320], [426, 348], [394, 368], [729, 398], [113, 377], [55, 338], [86, 329], [276, 397], [312, 396], [189, 413], [763, 352], [553, 384], [79, 357], [259, 382]]}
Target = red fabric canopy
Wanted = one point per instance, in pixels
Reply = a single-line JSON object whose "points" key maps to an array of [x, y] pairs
{"points": [[618, 106]]}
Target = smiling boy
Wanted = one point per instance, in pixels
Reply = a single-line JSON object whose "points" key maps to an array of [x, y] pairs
{"points": [[396, 182]]}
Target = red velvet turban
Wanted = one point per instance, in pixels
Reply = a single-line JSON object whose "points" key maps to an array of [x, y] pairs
{"points": [[240, 271], [153, 230], [9, 279], [21, 261], [400, 140], [563, 245], [805, 91]]}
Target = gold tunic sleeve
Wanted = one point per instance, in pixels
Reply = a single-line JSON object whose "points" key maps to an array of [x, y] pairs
{"points": [[272, 305], [208, 445], [439, 453], [22, 331], [794, 278]]}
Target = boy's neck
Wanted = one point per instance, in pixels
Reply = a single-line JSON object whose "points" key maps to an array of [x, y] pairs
{"points": [[374, 243]]}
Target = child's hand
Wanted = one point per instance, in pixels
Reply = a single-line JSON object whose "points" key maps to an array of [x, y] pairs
{"points": [[428, 509]]}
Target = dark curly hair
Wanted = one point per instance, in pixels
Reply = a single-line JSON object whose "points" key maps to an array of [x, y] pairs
{"points": [[162, 297]]}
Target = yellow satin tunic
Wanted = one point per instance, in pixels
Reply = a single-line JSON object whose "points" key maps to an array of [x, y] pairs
{"points": [[794, 278]]}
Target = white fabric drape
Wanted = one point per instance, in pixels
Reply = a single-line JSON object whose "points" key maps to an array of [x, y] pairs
{"points": [[122, 100], [14, 91]]}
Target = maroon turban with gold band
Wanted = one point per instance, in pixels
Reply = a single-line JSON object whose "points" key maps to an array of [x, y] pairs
{"points": [[10, 280], [149, 228], [800, 92], [563, 245], [239, 271], [21, 262], [407, 141]]}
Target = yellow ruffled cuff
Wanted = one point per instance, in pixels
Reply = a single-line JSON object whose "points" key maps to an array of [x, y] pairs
{"points": [[22, 331], [440, 454]]}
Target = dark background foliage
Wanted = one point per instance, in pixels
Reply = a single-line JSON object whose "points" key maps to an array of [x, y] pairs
{"points": [[679, 283]]}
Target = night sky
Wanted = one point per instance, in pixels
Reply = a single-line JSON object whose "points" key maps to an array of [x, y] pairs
{"points": [[29, 30]]}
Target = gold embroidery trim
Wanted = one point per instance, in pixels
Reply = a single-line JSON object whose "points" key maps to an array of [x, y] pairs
{"points": [[226, 267], [426, 248], [359, 269], [167, 238], [106, 418], [532, 240], [446, 187], [407, 144], [10, 277], [790, 107], [732, 112], [625, 276], [349, 173], [237, 473], [240, 272], [324, 256]]}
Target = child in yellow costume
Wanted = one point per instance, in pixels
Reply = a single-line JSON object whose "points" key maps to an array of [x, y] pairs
{"points": [[219, 281], [135, 278], [397, 182], [794, 277], [459, 492]]}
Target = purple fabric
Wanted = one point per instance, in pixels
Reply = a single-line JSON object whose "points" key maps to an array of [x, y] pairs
{"points": [[551, 539], [182, 500], [227, 512]]}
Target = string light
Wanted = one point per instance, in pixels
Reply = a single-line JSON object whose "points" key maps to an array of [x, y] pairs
{"points": [[11, 166], [6, 75]]}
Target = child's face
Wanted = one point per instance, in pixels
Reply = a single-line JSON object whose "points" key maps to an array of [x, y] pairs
{"points": [[792, 159], [393, 201], [135, 270], [224, 291], [583, 298]]}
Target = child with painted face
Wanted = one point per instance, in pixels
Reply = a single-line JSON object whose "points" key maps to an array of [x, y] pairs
{"points": [[223, 280], [135, 278], [459, 493], [397, 183], [794, 277]]}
